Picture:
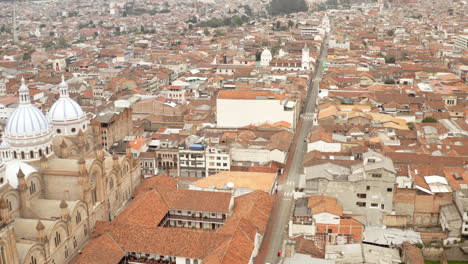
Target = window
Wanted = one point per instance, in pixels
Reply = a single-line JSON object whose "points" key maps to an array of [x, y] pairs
{"points": [[75, 244], [195, 261], [66, 252], [58, 239], [32, 188], [85, 228], [33, 260], [31, 154], [374, 205], [371, 160], [367, 188], [78, 217], [362, 195], [187, 261], [389, 189], [361, 204], [376, 175], [59, 131], [382, 206], [73, 130], [329, 231]]}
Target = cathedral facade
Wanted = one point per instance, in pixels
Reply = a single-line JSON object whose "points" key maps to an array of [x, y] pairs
{"points": [[56, 181]]}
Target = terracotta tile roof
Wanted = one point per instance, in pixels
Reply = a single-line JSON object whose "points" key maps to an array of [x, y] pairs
{"points": [[102, 250], [197, 200], [307, 246], [248, 95], [148, 209], [157, 182], [163, 241], [321, 203]]}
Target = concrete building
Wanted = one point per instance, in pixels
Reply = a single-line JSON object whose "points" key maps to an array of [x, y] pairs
{"points": [[362, 186], [451, 222], [243, 108], [461, 43]]}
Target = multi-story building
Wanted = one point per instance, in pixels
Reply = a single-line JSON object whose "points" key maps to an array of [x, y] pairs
{"points": [[217, 160], [243, 108], [364, 186], [192, 161], [201, 161], [113, 124], [461, 43], [460, 197]]}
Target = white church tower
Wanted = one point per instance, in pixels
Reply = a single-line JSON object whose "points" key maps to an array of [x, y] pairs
{"points": [[305, 58]]}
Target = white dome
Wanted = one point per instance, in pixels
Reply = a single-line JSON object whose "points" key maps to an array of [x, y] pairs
{"points": [[266, 54], [27, 120], [65, 109], [12, 169]]}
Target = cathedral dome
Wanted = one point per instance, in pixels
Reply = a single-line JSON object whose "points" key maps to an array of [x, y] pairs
{"points": [[26, 120], [66, 115], [65, 109], [28, 133]]}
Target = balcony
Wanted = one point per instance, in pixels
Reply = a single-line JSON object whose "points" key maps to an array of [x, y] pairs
{"points": [[136, 260], [194, 218]]}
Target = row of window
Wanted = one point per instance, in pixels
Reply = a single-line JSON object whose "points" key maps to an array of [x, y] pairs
{"points": [[372, 205]]}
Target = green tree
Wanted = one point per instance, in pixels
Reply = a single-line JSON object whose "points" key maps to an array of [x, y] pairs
{"points": [[429, 120], [390, 32], [206, 32], [277, 7], [389, 81], [390, 59], [290, 24]]}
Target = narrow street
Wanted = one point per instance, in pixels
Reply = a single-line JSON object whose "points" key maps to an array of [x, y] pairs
{"points": [[284, 202]]}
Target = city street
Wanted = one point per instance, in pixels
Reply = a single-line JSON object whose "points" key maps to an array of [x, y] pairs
{"points": [[280, 215]]}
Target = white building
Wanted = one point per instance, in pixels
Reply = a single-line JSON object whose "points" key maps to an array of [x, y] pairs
{"points": [[461, 43], [242, 108]]}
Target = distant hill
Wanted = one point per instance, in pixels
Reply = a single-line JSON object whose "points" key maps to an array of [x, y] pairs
{"points": [[278, 7]]}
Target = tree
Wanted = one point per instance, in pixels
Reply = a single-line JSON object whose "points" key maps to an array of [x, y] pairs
{"points": [[390, 59], [389, 81], [190, 26], [290, 24], [277, 7], [278, 25], [429, 120], [390, 32], [206, 32], [411, 125]]}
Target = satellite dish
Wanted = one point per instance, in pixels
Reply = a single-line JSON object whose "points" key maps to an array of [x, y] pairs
{"points": [[230, 185]]}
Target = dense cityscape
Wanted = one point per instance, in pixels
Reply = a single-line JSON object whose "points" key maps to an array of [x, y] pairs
{"points": [[234, 132]]}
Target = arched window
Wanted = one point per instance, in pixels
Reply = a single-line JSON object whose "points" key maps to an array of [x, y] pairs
{"points": [[22, 154], [58, 239], [78, 217], [187, 261], [33, 260], [15, 155], [195, 261], [111, 184], [74, 242], [40, 153], [47, 150], [31, 154], [32, 188]]}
